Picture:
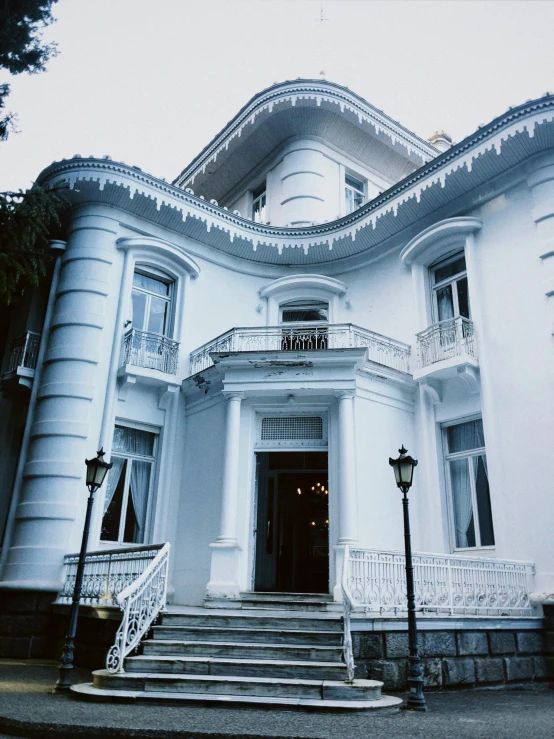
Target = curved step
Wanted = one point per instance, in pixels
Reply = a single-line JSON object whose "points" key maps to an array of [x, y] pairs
{"points": [[238, 685], [385, 703], [303, 652], [236, 667]]}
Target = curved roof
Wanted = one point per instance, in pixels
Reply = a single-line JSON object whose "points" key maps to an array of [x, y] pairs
{"points": [[306, 108], [472, 166]]}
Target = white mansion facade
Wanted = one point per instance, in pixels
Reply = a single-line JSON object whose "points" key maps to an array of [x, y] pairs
{"points": [[251, 343]]}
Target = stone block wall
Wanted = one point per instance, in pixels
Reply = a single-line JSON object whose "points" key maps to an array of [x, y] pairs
{"points": [[27, 625], [457, 658]]}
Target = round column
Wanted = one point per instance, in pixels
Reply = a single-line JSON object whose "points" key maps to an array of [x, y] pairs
{"points": [[348, 503], [229, 492], [52, 491], [541, 182]]}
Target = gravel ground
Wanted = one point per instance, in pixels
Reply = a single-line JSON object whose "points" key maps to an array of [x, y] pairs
{"points": [[29, 708]]}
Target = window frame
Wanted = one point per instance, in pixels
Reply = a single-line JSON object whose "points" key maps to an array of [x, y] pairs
{"points": [[257, 195], [156, 274], [361, 191], [129, 456], [302, 303], [469, 455], [436, 286]]}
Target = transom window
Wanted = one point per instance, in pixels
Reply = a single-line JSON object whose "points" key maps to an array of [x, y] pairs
{"points": [[450, 290], [305, 311], [354, 193], [128, 487], [151, 297], [467, 477], [259, 214]]}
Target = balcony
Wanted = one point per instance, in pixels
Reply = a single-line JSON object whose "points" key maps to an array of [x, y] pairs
{"points": [[447, 348], [22, 363], [151, 359], [381, 349]]}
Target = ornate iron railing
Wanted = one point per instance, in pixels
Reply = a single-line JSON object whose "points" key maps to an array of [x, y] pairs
{"points": [[348, 606], [141, 603], [107, 573], [381, 349], [448, 585], [445, 340], [152, 351], [24, 351]]}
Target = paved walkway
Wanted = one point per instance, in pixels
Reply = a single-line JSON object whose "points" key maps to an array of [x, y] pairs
{"points": [[28, 708]]}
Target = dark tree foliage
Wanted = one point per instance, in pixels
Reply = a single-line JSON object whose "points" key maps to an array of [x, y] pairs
{"points": [[27, 220], [21, 47]]}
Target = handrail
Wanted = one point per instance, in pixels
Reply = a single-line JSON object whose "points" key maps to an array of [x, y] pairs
{"points": [[348, 606], [141, 603]]}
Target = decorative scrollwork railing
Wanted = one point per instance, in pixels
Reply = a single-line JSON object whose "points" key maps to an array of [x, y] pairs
{"points": [[447, 585], [381, 349], [141, 603], [152, 351], [348, 606], [107, 573], [24, 352], [445, 340]]}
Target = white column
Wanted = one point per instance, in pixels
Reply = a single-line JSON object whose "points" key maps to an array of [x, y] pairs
{"points": [[348, 502], [224, 575]]}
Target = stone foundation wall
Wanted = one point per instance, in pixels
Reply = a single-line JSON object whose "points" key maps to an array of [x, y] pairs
{"points": [[27, 624], [456, 658]]}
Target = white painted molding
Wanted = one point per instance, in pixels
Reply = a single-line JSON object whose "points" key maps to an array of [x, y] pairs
{"points": [[438, 240], [292, 282], [433, 388], [164, 248]]}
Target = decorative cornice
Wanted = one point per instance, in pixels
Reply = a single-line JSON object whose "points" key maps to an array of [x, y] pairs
{"points": [[292, 92], [459, 161], [285, 284], [430, 243]]}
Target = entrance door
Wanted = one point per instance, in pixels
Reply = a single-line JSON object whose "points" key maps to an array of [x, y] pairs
{"points": [[292, 539]]}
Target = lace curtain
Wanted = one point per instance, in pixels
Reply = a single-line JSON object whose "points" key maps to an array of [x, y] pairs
{"points": [[140, 483]]}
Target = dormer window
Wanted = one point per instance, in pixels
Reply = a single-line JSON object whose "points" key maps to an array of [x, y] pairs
{"points": [[354, 193], [259, 214]]}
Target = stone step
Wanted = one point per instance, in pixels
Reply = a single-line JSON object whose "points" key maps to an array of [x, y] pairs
{"points": [[384, 704], [256, 635], [238, 667], [266, 687], [248, 650], [247, 619], [319, 602]]}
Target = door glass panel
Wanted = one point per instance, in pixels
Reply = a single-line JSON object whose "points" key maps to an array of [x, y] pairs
{"points": [[157, 316], [136, 505], [483, 502], [139, 309], [461, 500], [110, 521], [463, 297], [445, 303]]}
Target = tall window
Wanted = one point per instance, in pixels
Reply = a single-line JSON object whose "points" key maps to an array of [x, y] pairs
{"points": [[354, 193], [128, 487], [151, 303], [466, 469], [259, 211], [450, 293]]}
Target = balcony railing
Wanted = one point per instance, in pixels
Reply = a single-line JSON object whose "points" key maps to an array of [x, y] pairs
{"points": [[107, 573], [449, 585], [24, 352], [446, 340], [381, 349], [151, 351]]}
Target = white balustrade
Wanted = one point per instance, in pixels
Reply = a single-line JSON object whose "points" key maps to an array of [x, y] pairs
{"points": [[107, 573], [24, 352], [152, 351], [141, 603], [381, 349], [446, 585], [445, 340]]}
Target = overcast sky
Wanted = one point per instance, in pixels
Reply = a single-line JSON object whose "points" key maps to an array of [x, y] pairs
{"points": [[149, 82]]}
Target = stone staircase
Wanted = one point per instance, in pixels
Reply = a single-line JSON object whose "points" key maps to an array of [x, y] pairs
{"points": [[273, 650]]}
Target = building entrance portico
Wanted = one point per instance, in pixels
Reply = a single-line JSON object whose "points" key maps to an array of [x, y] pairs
{"points": [[292, 528]]}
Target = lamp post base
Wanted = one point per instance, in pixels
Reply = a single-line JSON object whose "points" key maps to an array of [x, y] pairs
{"points": [[416, 699]]}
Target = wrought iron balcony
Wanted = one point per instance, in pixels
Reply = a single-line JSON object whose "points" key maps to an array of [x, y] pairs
{"points": [[381, 349], [24, 352], [151, 351], [446, 340]]}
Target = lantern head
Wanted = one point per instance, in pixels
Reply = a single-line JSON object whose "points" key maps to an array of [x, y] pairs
{"points": [[96, 471], [403, 469]]}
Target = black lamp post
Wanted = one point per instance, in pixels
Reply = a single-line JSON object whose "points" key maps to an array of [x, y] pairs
{"points": [[404, 472], [96, 472]]}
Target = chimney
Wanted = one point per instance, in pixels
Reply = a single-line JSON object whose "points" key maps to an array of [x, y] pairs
{"points": [[441, 140]]}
